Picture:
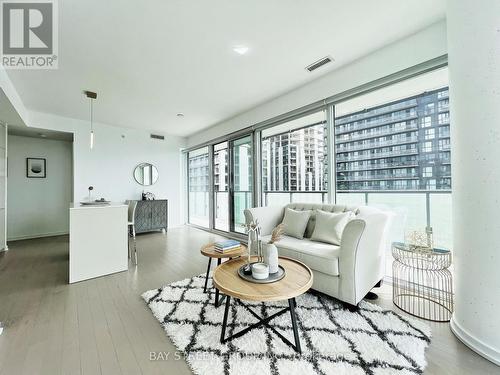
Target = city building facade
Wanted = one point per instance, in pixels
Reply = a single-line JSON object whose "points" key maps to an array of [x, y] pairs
{"points": [[402, 145], [295, 160]]}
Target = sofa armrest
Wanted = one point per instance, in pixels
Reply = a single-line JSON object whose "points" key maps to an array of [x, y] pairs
{"points": [[268, 217], [362, 255]]}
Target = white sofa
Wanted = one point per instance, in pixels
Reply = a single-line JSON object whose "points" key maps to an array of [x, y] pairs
{"points": [[347, 272]]}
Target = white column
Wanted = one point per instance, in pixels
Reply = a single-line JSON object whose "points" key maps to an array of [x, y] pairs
{"points": [[474, 65]]}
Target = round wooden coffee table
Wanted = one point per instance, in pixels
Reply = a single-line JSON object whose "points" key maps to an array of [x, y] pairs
{"points": [[210, 252], [298, 279]]}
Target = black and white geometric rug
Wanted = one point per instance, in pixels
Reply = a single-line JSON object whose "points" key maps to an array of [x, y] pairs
{"points": [[334, 340]]}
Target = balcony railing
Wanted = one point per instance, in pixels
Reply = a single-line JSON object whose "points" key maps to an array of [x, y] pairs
{"points": [[199, 208], [378, 111], [375, 122], [272, 197], [378, 177], [413, 209], [369, 167], [368, 145], [443, 107], [376, 133], [377, 155]]}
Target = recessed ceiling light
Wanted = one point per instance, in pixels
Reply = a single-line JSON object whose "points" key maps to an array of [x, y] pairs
{"points": [[180, 114], [240, 50]]}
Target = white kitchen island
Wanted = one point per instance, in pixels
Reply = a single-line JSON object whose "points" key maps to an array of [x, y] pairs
{"points": [[98, 240]]}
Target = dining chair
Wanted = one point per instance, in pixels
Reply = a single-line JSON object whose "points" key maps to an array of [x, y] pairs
{"points": [[131, 227]]}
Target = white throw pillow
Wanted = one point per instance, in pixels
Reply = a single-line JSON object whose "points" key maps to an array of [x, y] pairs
{"points": [[296, 222], [329, 226]]}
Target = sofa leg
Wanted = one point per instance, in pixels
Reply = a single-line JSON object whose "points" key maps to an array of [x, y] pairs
{"points": [[351, 308], [379, 284], [371, 296]]}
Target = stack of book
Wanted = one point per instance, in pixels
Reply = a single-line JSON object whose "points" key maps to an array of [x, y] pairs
{"points": [[227, 245]]}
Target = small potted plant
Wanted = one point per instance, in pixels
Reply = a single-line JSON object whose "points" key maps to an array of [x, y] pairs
{"points": [[271, 251]]}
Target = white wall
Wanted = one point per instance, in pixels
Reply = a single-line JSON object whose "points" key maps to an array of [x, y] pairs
{"points": [[420, 47], [38, 206], [3, 187], [15, 102], [109, 166]]}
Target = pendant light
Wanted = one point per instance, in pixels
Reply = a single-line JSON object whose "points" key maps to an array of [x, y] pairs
{"points": [[92, 96]]}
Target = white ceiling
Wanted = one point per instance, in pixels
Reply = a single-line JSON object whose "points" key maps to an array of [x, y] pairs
{"points": [[151, 59], [25, 131]]}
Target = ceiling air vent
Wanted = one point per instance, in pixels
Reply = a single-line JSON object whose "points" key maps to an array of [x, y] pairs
{"points": [[157, 136], [317, 64]]}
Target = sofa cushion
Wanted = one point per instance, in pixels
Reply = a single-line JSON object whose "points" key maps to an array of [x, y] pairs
{"points": [[318, 256], [329, 226], [319, 206], [296, 222]]}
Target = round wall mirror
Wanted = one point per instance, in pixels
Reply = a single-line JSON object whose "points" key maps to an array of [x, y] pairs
{"points": [[146, 174]]}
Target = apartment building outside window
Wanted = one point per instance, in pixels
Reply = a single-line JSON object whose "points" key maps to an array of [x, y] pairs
{"points": [[294, 160], [444, 118], [409, 169]]}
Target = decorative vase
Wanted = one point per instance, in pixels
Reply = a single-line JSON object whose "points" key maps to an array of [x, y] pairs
{"points": [[271, 256], [253, 244]]}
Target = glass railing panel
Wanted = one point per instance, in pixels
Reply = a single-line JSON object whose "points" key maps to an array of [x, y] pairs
{"points": [[199, 208], [221, 205], [409, 208], [308, 197], [351, 199], [440, 214], [409, 211], [276, 198], [242, 201]]}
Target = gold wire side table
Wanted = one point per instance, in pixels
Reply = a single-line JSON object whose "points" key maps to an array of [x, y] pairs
{"points": [[422, 282]]}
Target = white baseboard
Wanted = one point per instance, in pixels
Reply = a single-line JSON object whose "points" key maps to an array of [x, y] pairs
{"points": [[40, 235], [474, 343]]}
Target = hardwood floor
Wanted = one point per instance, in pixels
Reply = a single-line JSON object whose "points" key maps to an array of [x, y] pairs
{"points": [[102, 326]]}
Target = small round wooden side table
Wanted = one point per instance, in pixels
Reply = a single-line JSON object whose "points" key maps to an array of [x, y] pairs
{"points": [[210, 252], [298, 279]]}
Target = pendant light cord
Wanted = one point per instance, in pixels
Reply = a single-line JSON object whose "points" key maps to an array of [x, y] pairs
{"points": [[91, 115]]}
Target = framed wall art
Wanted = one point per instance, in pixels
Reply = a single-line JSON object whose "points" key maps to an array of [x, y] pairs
{"points": [[36, 168]]}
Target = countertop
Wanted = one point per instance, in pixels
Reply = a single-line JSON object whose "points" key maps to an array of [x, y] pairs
{"points": [[77, 206]]}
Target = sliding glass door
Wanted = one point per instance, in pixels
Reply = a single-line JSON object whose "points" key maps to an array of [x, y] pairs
{"points": [[198, 183], [241, 180], [221, 186], [232, 183]]}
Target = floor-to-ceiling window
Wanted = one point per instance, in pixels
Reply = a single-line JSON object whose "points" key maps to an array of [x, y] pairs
{"points": [[198, 187], [387, 147], [393, 150], [294, 161], [231, 176]]}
